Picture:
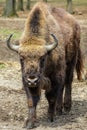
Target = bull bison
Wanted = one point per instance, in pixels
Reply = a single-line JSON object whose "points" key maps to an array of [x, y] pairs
{"points": [[49, 51]]}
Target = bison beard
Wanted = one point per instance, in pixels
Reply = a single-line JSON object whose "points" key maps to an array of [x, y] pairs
{"points": [[46, 64]]}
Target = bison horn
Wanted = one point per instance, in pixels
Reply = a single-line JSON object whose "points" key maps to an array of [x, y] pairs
{"points": [[11, 46], [54, 45]]}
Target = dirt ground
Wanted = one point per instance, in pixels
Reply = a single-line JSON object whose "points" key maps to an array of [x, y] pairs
{"points": [[13, 104]]}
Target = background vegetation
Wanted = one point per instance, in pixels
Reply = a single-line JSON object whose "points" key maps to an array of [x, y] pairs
{"points": [[77, 4]]}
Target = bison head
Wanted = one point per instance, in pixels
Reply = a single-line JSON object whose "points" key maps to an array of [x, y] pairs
{"points": [[33, 58]]}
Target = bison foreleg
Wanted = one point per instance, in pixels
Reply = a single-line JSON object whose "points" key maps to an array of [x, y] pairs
{"points": [[51, 110], [68, 86], [32, 103], [67, 98], [30, 122], [52, 103], [59, 104]]}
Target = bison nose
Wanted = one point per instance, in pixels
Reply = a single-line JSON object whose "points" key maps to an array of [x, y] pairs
{"points": [[33, 81]]}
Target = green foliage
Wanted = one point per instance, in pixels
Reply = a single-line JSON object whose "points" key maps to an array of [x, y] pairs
{"points": [[80, 2], [2, 0], [5, 32], [2, 65]]}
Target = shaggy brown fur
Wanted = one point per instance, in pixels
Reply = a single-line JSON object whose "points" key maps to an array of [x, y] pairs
{"points": [[55, 68]]}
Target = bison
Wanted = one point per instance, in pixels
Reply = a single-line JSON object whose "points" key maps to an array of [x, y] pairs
{"points": [[49, 51]]}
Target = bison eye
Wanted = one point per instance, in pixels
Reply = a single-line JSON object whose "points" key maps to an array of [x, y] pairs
{"points": [[42, 60], [21, 57]]}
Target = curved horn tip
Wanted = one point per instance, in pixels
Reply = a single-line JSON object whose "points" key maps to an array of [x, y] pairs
{"points": [[11, 46], [56, 40], [53, 45], [10, 35]]}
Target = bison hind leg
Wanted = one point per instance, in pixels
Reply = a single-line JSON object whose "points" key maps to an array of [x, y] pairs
{"points": [[68, 86], [67, 106], [58, 111], [67, 98]]}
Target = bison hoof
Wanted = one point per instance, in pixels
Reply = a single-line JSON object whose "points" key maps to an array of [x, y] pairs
{"points": [[28, 124], [59, 112], [67, 108], [50, 117]]}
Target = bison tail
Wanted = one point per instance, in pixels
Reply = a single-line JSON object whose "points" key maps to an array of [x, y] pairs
{"points": [[79, 65]]}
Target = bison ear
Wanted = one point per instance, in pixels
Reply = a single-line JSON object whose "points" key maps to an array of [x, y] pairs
{"points": [[53, 45], [10, 45]]}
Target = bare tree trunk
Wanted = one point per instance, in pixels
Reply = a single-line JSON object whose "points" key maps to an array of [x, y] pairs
{"points": [[69, 6], [10, 8], [28, 5], [20, 5]]}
